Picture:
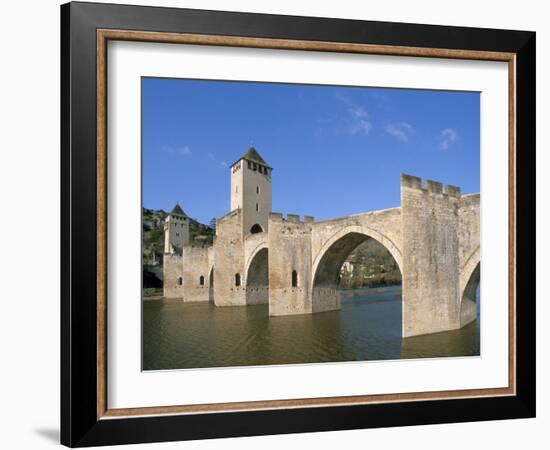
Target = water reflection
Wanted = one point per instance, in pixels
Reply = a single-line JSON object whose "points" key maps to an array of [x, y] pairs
{"points": [[177, 335]]}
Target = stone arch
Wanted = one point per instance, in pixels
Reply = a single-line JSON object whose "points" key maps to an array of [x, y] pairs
{"points": [[470, 276], [468, 268], [329, 260], [253, 253], [256, 228], [257, 277], [356, 234]]}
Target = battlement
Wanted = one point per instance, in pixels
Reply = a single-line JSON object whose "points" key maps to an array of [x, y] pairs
{"points": [[431, 186], [294, 218]]}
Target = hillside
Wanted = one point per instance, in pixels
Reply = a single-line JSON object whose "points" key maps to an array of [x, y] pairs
{"points": [[369, 265], [153, 235]]}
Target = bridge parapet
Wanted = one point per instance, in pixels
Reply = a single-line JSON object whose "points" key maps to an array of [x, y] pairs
{"points": [[294, 218], [431, 186]]}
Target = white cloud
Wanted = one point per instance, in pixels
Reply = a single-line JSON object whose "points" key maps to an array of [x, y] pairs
{"points": [[184, 151], [447, 137], [402, 131], [359, 119], [360, 122]]}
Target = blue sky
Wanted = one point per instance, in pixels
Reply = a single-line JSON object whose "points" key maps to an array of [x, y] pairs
{"points": [[335, 150]]}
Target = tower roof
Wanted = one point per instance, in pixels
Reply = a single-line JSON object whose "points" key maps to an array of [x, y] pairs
{"points": [[252, 155], [177, 211]]}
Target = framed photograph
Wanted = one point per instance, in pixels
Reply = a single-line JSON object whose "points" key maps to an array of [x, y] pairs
{"points": [[276, 224]]}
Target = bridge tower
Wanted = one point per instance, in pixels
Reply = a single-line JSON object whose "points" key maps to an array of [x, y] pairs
{"points": [[176, 231], [251, 191]]}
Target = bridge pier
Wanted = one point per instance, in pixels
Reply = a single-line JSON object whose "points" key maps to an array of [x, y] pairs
{"points": [[430, 225], [289, 266], [325, 299]]}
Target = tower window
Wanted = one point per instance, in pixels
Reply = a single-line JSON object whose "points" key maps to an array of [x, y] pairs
{"points": [[236, 189], [294, 278], [180, 281], [177, 234], [249, 164], [237, 279], [201, 280], [256, 229], [257, 189], [257, 207]]}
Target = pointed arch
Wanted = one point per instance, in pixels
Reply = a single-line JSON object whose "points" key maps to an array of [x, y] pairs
{"points": [[356, 234], [470, 277], [257, 278]]}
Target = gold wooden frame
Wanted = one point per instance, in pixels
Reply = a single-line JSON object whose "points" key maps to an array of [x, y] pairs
{"points": [[104, 35]]}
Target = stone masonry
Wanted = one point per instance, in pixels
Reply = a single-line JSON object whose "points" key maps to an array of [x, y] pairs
{"points": [[293, 264]]}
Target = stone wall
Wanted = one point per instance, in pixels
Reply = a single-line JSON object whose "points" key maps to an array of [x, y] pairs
{"points": [[430, 256], [229, 261], [196, 264], [172, 272], [289, 250]]}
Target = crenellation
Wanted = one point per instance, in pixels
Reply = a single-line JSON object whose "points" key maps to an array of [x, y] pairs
{"points": [[309, 219], [411, 182], [452, 191], [293, 217], [434, 187]]}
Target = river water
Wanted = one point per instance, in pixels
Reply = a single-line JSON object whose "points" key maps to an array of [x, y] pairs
{"points": [[179, 335]]}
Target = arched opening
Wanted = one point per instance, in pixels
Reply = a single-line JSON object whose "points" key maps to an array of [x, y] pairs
{"points": [[180, 281], [201, 280], [256, 229], [211, 286], [469, 304], [358, 270], [237, 279], [257, 279], [294, 278]]}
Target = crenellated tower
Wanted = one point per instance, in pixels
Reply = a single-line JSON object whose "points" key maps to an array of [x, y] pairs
{"points": [[251, 191]]}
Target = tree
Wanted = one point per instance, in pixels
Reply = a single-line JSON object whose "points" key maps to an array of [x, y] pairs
{"points": [[212, 223]]}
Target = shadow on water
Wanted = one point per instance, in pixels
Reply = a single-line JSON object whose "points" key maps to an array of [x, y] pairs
{"points": [[463, 342], [179, 335]]}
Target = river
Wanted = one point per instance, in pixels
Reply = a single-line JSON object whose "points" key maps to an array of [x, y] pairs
{"points": [[179, 335]]}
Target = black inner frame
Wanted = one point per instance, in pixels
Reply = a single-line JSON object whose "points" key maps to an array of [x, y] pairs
{"points": [[79, 424]]}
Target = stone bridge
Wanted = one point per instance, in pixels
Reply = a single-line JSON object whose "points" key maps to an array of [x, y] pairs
{"points": [[434, 237]]}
